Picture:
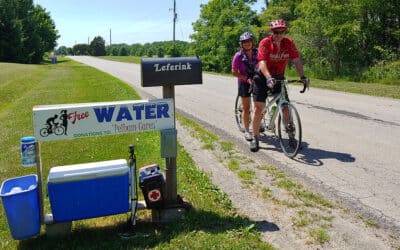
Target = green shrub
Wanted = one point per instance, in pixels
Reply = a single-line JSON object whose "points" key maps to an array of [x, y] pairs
{"points": [[383, 72]]}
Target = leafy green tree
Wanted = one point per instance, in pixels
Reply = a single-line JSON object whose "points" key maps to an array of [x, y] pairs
{"points": [[11, 32], [380, 26], [70, 51], [98, 46], [137, 49], [26, 31], [217, 31], [40, 35], [81, 49], [290, 5], [62, 50], [123, 51], [272, 13], [339, 37], [150, 52], [328, 35], [160, 52], [114, 51]]}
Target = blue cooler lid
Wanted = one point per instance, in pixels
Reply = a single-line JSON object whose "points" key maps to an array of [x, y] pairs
{"points": [[87, 171], [28, 139]]}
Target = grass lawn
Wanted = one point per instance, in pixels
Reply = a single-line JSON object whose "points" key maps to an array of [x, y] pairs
{"points": [[212, 223]]}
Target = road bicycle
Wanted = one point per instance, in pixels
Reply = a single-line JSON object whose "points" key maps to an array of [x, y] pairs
{"points": [[56, 129], [288, 125]]}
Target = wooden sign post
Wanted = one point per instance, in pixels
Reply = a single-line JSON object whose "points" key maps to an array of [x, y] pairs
{"points": [[168, 72]]}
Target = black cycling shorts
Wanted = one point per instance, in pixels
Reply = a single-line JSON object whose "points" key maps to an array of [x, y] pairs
{"points": [[260, 89], [244, 89]]}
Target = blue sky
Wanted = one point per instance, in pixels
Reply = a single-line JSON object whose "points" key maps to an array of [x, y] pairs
{"points": [[130, 21]]}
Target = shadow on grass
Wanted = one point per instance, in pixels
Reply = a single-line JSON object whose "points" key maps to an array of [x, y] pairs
{"points": [[148, 235]]}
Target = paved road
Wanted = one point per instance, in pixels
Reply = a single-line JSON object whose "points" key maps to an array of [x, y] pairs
{"points": [[351, 145]]}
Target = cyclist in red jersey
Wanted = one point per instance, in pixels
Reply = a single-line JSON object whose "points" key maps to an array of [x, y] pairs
{"points": [[274, 52]]}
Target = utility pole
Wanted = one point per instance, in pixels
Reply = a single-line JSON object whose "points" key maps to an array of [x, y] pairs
{"points": [[175, 17], [173, 33], [110, 37]]}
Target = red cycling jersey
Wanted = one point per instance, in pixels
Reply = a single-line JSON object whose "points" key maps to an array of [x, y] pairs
{"points": [[276, 57]]}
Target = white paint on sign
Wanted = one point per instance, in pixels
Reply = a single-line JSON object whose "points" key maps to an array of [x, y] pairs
{"points": [[68, 121]]}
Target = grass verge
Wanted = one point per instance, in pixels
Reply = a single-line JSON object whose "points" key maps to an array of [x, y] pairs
{"points": [[212, 223], [311, 211]]}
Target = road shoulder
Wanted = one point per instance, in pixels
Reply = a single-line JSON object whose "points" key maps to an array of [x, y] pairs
{"points": [[285, 220]]}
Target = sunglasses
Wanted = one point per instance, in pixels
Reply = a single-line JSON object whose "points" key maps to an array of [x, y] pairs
{"points": [[276, 32]]}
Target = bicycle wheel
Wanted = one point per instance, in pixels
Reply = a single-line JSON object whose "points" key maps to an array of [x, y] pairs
{"points": [[290, 134], [238, 113], [59, 130], [44, 132]]}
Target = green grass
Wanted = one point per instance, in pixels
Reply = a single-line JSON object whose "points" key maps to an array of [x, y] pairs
{"points": [[212, 223], [314, 211], [320, 235], [233, 165], [372, 89], [296, 190], [208, 139], [246, 175], [227, 146], [128, 59], [305, 218]]}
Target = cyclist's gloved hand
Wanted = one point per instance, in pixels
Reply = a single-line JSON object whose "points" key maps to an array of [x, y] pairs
{"points": [[305, 80], [270, 82]]}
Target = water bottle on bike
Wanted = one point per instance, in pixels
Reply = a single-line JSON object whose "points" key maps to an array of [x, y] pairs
{"points": [[270, 122]]}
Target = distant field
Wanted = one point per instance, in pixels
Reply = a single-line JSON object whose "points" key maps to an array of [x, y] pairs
{"points": [[129, 59], [212, 224]]}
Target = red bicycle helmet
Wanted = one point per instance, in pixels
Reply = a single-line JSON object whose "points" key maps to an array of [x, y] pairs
{"points": [[277, 24]]}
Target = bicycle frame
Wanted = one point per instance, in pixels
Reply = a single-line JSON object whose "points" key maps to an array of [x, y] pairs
{"points": [[288, 129], [281, 100]]}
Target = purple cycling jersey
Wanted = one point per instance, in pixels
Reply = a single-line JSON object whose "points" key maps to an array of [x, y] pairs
{"points": [[239, 62]]}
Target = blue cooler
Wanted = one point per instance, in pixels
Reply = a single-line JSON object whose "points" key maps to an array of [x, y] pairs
{"points": [[21, 203], [88, 190]]}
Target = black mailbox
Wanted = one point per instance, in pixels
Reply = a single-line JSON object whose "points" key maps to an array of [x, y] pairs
{"points": [[175, 70]]}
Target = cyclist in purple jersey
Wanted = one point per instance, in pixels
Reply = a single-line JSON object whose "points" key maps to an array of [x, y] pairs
{"points": [[243, 64]]}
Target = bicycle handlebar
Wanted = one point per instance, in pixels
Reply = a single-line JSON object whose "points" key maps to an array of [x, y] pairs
{"points": [[305, 85]]}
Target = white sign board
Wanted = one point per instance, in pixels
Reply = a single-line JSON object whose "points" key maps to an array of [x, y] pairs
{"points": [[68, 121]]}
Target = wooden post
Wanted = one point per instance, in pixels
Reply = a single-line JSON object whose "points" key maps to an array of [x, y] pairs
{"points": [[170, 163], [40, 180]]}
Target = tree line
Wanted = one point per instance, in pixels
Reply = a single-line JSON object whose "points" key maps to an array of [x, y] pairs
{"points": [[355, 40], [155, 49]]}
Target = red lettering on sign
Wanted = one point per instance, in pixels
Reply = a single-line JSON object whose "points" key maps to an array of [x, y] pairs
{"points": [[75, 116]]}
